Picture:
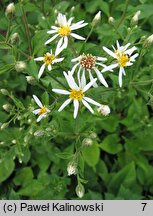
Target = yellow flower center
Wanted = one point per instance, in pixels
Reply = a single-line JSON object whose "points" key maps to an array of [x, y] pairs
{"points": [[122, 58], [76, 94], [64, 31], [42, 110], [88, 61], [48, 59]]}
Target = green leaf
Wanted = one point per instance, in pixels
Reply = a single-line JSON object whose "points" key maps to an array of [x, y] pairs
{"points": [[110, 144], [6, 168], [91, 155], [31, 189], [64, 155], [23, 176], [6, 68], [126, 177], [4, 46]]}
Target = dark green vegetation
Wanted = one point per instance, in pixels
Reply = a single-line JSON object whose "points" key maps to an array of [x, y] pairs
{"points": [[34, 156]]}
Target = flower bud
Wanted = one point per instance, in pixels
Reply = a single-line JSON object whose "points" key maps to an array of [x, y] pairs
{"points": [[135, 18], [20, 66], [4, 125], [111, 20], [80, 190], [39, 133], [14, 141], [7, 107], [72, 168], [87, 142], [14, 38], [104, 110], [31, 80], [96, 19], [93, 135], [148, 41], [10, 9], [4, 92]]}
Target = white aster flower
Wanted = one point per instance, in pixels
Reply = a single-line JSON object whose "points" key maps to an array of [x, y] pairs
{"points": [[64, 30], [49, 59], [90, 64], [124, 58], [77, 93], [42, 111]]}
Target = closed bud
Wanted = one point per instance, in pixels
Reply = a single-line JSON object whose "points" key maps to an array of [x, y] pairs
{"points": [[96, 19], [72, 168], [80, 190], [104, 110], [31, 80], [14, 141], [7, 107], [20, 66], [135, 18], [87, 142], [4, 92], [4, 125], [148, 41], [10, 9], [111, 20], [39, 133], [14, 38], [93, 135]]}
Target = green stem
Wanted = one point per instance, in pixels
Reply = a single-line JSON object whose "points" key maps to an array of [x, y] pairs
{"points": [[8, 30], [124, 14], [142, 83], [27, 30]]}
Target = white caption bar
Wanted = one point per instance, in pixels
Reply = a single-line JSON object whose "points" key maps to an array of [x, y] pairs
{"points": [[78, 208]]}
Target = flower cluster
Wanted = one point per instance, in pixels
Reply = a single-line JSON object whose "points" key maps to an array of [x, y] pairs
{"points": [[86, 67]]}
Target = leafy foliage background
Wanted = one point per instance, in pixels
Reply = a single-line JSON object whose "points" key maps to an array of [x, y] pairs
{"points": [[34, 157]]}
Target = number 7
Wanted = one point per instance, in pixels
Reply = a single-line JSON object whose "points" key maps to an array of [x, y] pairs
{"points": [[144, 205]]}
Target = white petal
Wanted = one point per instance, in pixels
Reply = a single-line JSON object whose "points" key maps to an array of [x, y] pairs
{"points": [[89, 85], [74, 67], [129, 64], [41, 70], [76, 108], [78, 23], [101, 58], [118, 46], [126, 46], [70, 80], [79, 77], [91, 101], [57, 60], [49, 67], [51, 31], [59, 47], [87, 106], [61, 91], [83, 79], [74, 27], [109, 52], [120, 77], [77, 36], [91, 78], [36, 111], [39, 59], [76, 59], [130, 51], [40, 117], [51, 39], [69, 21], [38, 102], [100, 77], [54, 27], [65, 42], [132, 58], [110, 67], [64, 104]]}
